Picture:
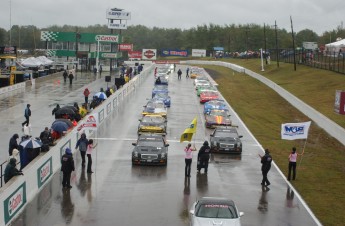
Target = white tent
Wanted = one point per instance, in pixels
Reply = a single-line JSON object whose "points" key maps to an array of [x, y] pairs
{"points": [[335, 47], [44, 60], [31, 62]]}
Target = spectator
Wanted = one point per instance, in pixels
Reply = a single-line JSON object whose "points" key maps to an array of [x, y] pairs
{"points": [[82, 144], [11, 170], [67, 166], [71, 77], [27, 114], [65, 75], [86, 95], [55, 109], [15, 155], [13, 144]]}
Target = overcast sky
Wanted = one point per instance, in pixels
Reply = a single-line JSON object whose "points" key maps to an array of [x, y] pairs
{"points": [[317, 15]]}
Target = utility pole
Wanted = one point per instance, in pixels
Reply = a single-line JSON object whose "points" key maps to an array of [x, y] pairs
{"points": [[265, 44], [293, 45], [247, 30], [277, 54]]}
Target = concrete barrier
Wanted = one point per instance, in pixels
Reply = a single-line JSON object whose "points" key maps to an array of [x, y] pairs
{"points": [[20, 190]]}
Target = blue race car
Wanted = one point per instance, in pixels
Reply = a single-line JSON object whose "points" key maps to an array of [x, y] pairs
{"points": [[215, 105], [163, 97], [159, 89]]}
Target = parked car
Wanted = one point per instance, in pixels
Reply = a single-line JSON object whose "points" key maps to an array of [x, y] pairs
{"points": [[215, 104], [208, 95], [150, 149], [215, 211], [226, 140], [152, 124], [217, 118], [155, 107]]}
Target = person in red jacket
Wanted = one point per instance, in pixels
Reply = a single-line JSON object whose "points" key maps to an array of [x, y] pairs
{"points": [[86, 95]]}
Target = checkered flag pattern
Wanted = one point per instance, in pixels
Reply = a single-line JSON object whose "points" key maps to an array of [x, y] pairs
{"points": [[49, 36], [51, 53]]}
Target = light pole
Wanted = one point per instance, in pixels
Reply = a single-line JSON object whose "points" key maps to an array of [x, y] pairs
{"points": [[10, 22], [262, 61], [97, 57]]}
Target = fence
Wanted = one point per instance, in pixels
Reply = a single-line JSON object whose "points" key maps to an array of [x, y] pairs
{"points": [[332, 61]]}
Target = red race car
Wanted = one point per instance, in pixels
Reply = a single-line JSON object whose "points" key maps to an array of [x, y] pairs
{"points": [[208, 95]]}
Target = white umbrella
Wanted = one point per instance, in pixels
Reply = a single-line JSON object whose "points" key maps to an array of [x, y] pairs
{"points": [[31, 143]]}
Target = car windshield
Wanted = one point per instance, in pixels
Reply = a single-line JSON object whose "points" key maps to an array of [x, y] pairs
{"points": [[155, 105], [153, 119], [216, 211], [224, 134], [209, 93], [160, 87], [203, 82], [150, 142], [161, 95], [219, 113]]}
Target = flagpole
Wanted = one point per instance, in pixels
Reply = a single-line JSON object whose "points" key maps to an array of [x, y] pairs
{"points": [[305, 143]]}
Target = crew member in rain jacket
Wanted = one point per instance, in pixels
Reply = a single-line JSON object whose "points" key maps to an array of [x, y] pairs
{"points": [[266, 166], [82, 144], [67, 166], [13, 143], [11, 170], [203, 157]]}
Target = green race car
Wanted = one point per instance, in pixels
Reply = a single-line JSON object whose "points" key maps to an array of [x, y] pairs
{"points": [[205, 88]]}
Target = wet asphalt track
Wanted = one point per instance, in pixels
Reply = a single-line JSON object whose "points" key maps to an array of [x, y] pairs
{"points": [[119, 194]]}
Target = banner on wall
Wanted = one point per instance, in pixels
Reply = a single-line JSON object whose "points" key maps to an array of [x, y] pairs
{"points": [[90, 123], [149, 54], [198, 52], [175, 52], [125, 47], [134, 54]]}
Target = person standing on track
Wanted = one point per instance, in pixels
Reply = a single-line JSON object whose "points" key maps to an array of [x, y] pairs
{"points": [[179, 73], [89, 150], [27, 114], [292, 164], [266, 161], [204, 157], [67, 166], [188, 159], [187, 72]]}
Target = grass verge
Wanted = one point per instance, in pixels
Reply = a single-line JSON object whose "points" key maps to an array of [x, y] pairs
{"points": [[320, 178]]}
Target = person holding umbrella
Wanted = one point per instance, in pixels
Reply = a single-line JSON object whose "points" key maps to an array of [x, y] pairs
{"points": [[86, 95], [67, 166]]}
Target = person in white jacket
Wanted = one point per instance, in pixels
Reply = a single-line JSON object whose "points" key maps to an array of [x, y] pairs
{"points": [[15, 155]]}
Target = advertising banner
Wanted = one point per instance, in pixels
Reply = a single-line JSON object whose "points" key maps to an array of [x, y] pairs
{"points": [[14, 202], [339, 104], [149, 54], [118, 15], [294, 131], [44, 172], [103, 55], [117, 26], [198, 52], [90, 123], [82, 37], [125, 47], [135, 54], [8, 51], [169, 52]]}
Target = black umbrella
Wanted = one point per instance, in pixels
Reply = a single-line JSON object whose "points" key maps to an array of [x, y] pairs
{"points": [[67, 121], [71, 107], [60, 126], [65, 111]]}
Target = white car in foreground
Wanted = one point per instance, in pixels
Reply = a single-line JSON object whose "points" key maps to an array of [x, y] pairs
{"points": [[209, 211]]}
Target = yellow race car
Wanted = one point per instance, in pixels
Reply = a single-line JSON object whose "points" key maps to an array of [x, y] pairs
{"points": [[152, 124]]}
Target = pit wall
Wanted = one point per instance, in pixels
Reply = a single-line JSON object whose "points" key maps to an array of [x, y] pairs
{"points": [[20, 190]]}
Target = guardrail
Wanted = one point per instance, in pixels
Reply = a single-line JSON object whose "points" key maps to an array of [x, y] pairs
{"points": [[20, 190]]}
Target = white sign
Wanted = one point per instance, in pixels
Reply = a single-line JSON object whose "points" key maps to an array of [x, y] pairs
{"points": [[90, 123], [198, 52], [107, 38], [117, 26], [294, 131], [118, 15], [149, 54], [310, 45]]}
